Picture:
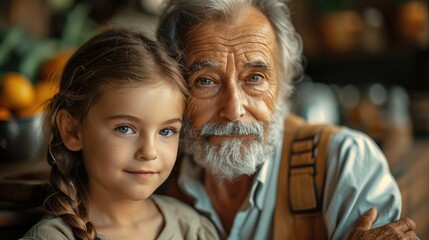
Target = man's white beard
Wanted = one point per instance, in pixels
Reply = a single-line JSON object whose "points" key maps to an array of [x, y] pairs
{"points": [[235, 157]]}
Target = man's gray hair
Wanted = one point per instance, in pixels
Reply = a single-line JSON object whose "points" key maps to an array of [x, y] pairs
{"points": [[179, 16]]}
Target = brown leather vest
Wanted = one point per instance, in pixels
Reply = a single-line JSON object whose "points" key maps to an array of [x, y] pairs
{"points": [[298, 213]]}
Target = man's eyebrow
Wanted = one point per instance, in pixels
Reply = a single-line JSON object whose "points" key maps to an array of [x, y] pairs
{"points": [[256, 64], [203, 64], [213, 64]]}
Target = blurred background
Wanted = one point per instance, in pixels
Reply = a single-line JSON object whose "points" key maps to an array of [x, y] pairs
{"points": [[367, 67]]}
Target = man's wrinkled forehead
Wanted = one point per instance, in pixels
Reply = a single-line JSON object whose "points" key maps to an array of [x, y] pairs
{"points": [[250, 33]]}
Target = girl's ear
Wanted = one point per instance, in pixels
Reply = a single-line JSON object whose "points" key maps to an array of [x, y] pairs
{"points": [[69, 130]]}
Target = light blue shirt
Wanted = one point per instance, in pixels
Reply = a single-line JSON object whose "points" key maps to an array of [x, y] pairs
{"points": [[357, 178]]}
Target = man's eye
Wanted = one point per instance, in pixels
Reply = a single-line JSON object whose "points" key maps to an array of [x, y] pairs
{"points": [[167, 132], [125, 130], [256, 78], [204, 81]]}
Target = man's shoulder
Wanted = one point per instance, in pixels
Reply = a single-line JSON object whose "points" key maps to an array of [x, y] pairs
{"points": [[339, 133], [348, 137], [296, 126]]}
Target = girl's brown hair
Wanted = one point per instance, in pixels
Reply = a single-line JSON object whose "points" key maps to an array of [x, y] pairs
{"points": [[113, 57]]}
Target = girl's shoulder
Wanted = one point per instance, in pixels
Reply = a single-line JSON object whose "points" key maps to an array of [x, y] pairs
{"points": [[169, 205], [48, 228], [182, 221]]}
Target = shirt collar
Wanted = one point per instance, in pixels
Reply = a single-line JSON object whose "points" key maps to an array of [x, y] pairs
{"points": [[190, 181], [259, 186]]}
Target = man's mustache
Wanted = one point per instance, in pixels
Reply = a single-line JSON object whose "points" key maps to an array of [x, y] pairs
{"points": [[233, 128]]}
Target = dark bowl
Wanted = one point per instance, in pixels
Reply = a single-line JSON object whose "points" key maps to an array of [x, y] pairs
{"points": [[21, 139]]}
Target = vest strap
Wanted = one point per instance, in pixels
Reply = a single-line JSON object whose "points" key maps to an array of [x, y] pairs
{"points": [[298, 213]]}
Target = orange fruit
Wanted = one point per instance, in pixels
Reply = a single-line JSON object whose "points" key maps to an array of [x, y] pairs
{"points": [[29, 111], [5, 114], [45, 90], [3, 103], [17, 90]]}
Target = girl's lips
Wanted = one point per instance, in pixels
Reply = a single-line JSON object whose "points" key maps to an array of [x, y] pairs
{"points": [[140, 171], [141, 174]]}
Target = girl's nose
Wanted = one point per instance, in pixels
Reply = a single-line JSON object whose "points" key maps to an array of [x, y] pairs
{"points": [[147, 150]]}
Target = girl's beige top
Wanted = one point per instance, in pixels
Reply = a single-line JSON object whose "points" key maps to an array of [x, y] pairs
{"points": [[181, 222]]}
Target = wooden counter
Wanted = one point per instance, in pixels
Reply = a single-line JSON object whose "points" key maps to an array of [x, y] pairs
{"points": [[20, 182], [412, 175]]}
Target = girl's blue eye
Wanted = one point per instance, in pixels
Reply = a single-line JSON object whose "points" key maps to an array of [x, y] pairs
{"points": [[167, 132], [125, 130]]}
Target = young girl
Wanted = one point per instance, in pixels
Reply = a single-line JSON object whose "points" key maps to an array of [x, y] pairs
{"points": [[113, 139]]}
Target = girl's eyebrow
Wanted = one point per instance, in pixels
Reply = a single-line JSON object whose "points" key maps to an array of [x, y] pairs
{"points": [[136, 119], [174, 120], [123, 116]]}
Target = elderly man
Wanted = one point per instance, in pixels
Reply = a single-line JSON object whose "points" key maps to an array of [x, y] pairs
{"points": [[240, 58]]}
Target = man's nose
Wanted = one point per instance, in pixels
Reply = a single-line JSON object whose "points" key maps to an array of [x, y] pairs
{"points": [[147, 149], [233, 108]]}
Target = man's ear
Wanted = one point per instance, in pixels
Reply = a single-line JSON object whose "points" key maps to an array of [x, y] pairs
{"points": [[69, 130]]}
